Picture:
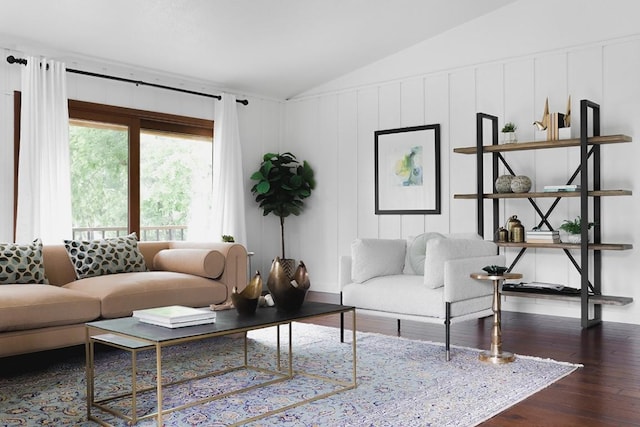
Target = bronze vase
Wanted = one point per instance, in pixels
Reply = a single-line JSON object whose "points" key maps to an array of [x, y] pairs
{"points": [[288, 291]]}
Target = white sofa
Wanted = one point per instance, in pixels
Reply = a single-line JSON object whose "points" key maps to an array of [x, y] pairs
{"points": [[425, 278]]}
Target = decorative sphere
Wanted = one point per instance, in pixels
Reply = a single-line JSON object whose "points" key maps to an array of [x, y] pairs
{"points": [[503, 183], [520, 184]]}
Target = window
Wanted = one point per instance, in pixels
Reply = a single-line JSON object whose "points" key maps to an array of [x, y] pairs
{"points": [[137, 171], [167, 184]]}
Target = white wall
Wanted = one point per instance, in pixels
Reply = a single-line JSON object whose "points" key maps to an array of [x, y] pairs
{"points": [[260, 123], [584, 51]]}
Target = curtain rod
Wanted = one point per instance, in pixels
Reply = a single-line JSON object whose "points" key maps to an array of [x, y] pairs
{"points": [[13, 60]]}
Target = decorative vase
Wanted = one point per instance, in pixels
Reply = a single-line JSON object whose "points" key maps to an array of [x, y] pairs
{"points": [[503, 183], [288, 292], [246, 301], [520, 184]]}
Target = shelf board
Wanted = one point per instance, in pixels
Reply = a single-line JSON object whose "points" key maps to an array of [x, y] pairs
{"points": [[595, 299], [591, 246], [539, 145], [541, 194]]}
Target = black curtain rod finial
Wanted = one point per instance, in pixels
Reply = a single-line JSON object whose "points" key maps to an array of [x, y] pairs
{"points": [[13, 60]]}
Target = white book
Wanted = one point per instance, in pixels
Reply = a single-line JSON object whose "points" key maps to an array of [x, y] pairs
{"points": [[542, 233], [174, 314], [568, 187], [174, 325]]}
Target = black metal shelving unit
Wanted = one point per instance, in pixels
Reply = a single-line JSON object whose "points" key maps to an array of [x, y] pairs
{"points": [[591, 287]]}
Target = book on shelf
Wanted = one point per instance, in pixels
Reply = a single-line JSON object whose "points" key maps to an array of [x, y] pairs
{"points": [[542, 232], [542, 236], [556, 121], [543, 240], [541, 287], [174, 316], [558, 188]]}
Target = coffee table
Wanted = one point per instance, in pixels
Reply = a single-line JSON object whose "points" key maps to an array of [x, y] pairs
{"points": [[131, 335]]}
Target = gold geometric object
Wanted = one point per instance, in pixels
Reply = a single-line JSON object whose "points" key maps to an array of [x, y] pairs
{"points": [[288, 292], [567, 114], [246, 301], [544, 122]]}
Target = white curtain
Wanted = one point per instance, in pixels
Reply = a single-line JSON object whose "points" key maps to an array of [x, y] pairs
{"points": [[44, 183], [227, 205]]}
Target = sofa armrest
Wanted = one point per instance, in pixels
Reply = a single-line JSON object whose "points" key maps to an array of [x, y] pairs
{"points": [[344, 271], [459, 286], [235, 267]]}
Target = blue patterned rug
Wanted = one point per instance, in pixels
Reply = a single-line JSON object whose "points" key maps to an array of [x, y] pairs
{"points": [[400, 382]]}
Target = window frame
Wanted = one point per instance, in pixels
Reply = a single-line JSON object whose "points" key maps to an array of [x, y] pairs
{"points": [[136, 120]]}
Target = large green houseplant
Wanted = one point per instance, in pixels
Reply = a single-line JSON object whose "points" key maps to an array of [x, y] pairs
{"points": [[283, 184]]}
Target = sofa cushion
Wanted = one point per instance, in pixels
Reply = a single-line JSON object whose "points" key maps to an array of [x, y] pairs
{"points": [[122, 293], [39, 306], [105, 256], [440, 251], [21, 264], [416, 252], [200, 262], [376, 257]]}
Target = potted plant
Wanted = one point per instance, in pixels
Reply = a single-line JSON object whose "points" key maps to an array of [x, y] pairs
{"points": [[509, 133], [283, 184], [574, 229]]}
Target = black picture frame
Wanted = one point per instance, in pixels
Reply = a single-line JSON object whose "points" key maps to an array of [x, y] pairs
{"points": [[407, 170]]}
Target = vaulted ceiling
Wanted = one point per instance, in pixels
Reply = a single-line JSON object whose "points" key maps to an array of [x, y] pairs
{"points": [[275, 48]]}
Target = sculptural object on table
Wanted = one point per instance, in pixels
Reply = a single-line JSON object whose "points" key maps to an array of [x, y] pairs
{"points": [[288, 292]]}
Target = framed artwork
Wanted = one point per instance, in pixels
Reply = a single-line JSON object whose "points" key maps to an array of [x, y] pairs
{"points": [[407, 170]]}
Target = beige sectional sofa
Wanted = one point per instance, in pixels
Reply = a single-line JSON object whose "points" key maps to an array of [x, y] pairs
{"points": [[36, 317]]}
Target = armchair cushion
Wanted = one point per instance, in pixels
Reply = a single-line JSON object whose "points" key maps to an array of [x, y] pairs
{"points": [[377, 257], [416, 252], [440, 251]]}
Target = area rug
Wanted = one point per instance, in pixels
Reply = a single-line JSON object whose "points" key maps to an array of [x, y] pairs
{"points": [[400, 382]]}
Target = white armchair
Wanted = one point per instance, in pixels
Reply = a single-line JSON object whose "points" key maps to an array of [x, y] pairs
{"points": [[424, 278]]}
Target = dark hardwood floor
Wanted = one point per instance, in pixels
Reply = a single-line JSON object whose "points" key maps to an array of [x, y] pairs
{"points": [[605, 392]]}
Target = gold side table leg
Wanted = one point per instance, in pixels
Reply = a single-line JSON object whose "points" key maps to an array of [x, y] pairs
{"points": [[496, 355]]}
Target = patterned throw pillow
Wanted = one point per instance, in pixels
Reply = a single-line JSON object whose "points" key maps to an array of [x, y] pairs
{"points": [[105, 256], [22, 264]]}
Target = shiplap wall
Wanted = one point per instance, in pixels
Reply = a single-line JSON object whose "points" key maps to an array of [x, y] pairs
{"points": [[334, 132]]}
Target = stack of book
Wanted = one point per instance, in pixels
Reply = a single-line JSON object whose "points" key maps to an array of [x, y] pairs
{"points": [[542, 236], [556, 122], [561, 188], [175, 316]]}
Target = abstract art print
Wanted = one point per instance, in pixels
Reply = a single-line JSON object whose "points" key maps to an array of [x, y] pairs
{"points": [[407, 170]]}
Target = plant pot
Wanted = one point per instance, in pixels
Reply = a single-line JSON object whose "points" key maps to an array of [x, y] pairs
{"points": [[509, 137], [575, 238]]}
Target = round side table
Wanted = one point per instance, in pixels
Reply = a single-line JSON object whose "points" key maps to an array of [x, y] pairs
{"points": [[496, 355]]}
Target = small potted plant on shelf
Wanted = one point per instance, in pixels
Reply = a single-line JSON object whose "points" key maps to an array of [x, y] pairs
{"points": [[573, 229], [509, 133]]}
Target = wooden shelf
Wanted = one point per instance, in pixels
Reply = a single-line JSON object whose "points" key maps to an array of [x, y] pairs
{"points": [[576, 246], [595, 299], [538, 145], [542, 194]]}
